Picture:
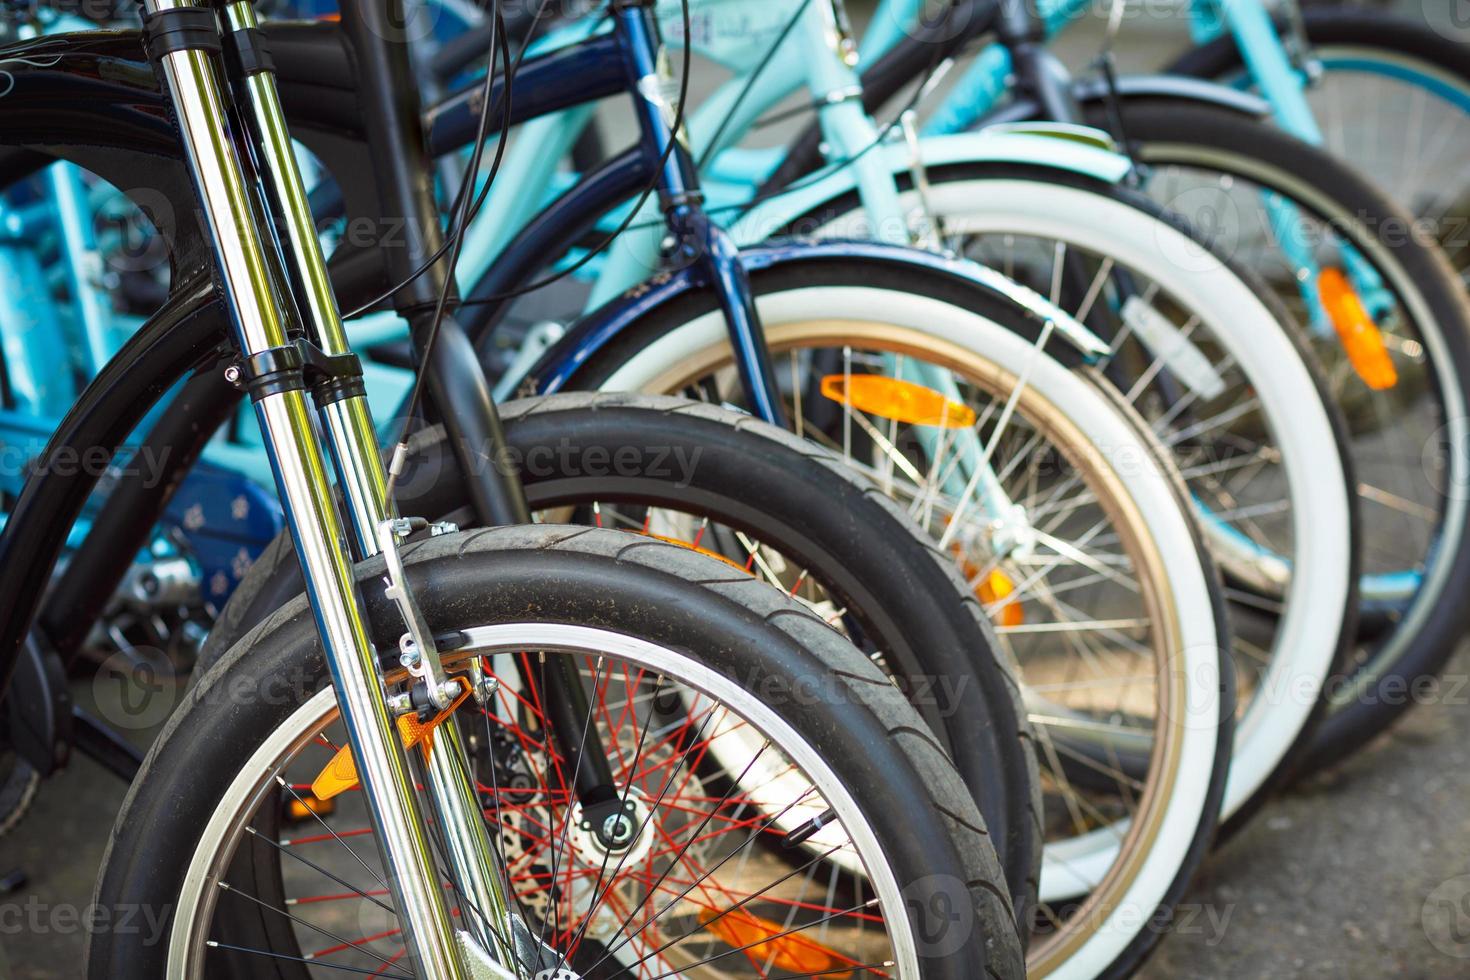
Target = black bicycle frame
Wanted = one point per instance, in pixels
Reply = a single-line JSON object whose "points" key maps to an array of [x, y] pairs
{"points": [[189, 335]]}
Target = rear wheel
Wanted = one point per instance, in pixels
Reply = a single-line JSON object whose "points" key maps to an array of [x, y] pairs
{"points": [[668, 647], [1204, 355]]}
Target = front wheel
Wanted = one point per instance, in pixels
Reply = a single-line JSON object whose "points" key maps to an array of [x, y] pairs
{"points": [[785, 511], [675, 651]]}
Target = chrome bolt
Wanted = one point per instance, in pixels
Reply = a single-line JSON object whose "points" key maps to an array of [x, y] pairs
{"points": [[617, 829]]}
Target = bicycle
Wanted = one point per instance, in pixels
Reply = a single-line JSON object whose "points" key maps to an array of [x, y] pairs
{"points": [[333, 634], [1401, 315]]}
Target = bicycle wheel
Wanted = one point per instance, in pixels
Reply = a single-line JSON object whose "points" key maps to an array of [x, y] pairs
{"points": [[1110, 609], [667, 645], [1407, 438], [1202, 356], [1393, 98], [786, 511]]}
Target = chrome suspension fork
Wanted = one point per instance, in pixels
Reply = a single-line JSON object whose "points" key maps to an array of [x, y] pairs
{"points": [[183, 39]]}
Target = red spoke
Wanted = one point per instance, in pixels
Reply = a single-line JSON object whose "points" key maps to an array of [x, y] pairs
{"points": [[392, 959], [311, 899]]}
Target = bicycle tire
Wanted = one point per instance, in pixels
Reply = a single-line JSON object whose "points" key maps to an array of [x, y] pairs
{"points": [[787, 493], [587, 577], [865, 292]]}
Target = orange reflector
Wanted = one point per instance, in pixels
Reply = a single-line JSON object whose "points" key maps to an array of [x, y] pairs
{"points": [[298, 810], [902, 401], [1361, 339], [992, 588], [762, 940], [995, 587], [340, 774]]}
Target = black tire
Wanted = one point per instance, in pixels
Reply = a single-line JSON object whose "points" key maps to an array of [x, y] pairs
{"points": [[668, 317], [1372, 696], [907, 597], [668, 595]]}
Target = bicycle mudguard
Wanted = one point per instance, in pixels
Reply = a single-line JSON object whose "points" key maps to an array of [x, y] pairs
{"points": [[557, 368], [1058, 151]]}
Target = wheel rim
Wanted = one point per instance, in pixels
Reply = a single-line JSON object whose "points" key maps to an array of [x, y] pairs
{"points": [[1422, 120], [604, 654], [1110, 856], [1409, 592]]}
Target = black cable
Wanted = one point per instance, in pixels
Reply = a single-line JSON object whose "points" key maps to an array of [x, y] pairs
{"points": [[479, 202], [465, 188], [815, 176], [627, 222], [750, 82], [500, 47]]}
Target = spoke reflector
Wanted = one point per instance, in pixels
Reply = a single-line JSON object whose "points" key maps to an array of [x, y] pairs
{"points": [[1361, 339], [996, 587], [901, 401], [301, 808], [761, 940]]}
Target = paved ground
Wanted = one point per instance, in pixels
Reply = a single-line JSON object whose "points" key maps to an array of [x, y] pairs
{"points": [[1361, 872]]}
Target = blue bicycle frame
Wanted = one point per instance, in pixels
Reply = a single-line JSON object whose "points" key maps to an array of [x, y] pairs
{"points": [[1279, 76]]}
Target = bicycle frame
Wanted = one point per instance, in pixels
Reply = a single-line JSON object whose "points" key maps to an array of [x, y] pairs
{"points": [[551, 83], [1281, 75], [271, 337]]}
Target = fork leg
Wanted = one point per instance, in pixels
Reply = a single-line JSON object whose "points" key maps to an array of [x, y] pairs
{"points": [[301, 480], [347, 424]]}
